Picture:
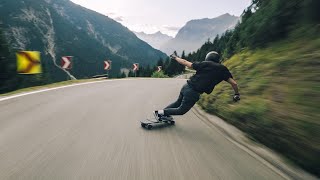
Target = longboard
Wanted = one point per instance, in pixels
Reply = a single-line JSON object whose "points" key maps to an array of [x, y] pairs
{"points": [[149, 124]]}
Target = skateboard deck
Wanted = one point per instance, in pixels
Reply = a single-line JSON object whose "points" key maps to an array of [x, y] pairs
{"points": [[150, 123]]}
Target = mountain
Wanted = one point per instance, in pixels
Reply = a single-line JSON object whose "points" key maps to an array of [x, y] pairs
{"points": [[191, 36], [59, 27], [156, 40]]}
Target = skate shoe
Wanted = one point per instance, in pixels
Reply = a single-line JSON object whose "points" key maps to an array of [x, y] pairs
{"points": [[160, 117], [167, 118], [157, 115]]}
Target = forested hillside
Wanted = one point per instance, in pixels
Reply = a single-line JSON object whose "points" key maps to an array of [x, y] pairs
{"points": [[265, 22]]}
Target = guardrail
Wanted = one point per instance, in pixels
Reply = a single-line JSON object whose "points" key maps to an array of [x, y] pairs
{"points": [[101, 76]]}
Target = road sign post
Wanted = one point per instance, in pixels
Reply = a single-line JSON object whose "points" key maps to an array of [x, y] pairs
{"points": [[135, 68], [66, 62], [29, 62], [107, 66]]}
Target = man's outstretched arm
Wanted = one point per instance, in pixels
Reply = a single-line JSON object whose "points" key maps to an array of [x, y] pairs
{"points": [[234, 85], [181, 61]]}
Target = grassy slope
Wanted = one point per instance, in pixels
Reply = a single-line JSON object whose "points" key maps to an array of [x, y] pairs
{"points": [[280, 89]]}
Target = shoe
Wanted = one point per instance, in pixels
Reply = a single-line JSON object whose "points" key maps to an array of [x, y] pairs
{"points": [[157, 115], [160, 117], [167, 118]]}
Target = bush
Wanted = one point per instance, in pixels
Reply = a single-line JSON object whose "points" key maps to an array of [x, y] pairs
{"points": [[159, 75]]}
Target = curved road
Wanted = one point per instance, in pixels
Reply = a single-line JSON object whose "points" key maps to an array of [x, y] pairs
{"points": [[92, 131]]}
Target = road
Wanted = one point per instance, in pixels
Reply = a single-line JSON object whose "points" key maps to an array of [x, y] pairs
{"points": [[93, 132]]}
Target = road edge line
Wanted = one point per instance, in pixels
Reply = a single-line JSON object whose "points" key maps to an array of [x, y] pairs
{"points": [[4, 98], [45, 90]]}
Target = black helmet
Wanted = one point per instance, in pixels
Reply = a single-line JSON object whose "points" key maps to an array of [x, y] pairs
{"points": [[213, 56]]}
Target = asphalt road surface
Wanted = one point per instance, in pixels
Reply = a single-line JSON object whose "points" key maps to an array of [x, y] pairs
{"points": [[93, 132]]}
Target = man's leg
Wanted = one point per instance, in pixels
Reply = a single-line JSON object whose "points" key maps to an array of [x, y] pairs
{"points": [[177, 103], [189, 98]]}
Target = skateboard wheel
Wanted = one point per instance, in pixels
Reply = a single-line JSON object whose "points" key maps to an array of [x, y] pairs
{"points": [[149, 126], [172, 122], [142, 125]]}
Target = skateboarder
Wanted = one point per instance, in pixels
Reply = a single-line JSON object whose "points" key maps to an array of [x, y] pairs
{"points": [[209, 73]]}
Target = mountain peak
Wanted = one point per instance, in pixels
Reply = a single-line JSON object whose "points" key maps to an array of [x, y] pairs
{"points": [[196, 32], [156, 39], [159, 33], [226, 15]]}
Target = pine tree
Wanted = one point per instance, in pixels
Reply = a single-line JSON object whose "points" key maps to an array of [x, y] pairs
{"points": [[131, 74], [8, 78], [183, 56], [160, 62], [123, 75]]}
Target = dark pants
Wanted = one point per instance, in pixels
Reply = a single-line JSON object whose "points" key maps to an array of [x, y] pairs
{"points": [[187, 98]]}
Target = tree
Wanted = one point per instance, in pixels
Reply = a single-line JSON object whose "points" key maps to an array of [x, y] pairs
{"points": [[8, 78], [160, 62], [131, 74], [174, 68], [121, 75], [183, 56]]}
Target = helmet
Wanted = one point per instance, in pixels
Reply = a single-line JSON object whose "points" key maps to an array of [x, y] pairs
{"points": [[213, 56]]}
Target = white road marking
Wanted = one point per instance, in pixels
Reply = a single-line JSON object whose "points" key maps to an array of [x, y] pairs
{"points": [[61, 87]]}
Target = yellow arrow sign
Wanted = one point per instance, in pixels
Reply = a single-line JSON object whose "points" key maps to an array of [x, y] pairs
{"points": [[28, 62]]}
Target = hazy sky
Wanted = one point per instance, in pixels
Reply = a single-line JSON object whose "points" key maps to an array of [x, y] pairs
{"points": [[166, 16]]}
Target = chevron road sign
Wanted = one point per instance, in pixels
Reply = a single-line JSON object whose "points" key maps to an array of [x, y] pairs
{"points": [[66, 62], [107, 65], [29, 62], [135, 67]]}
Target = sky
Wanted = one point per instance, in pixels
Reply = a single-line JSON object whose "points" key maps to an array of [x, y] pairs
{"points": [[167, 16]]}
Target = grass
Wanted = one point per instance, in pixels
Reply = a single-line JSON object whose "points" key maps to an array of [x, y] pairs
{"points": [[280, 88]]}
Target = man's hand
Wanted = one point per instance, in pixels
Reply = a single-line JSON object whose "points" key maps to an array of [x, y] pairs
{"points": [[236, 97], [173, 56], [180, 60]]}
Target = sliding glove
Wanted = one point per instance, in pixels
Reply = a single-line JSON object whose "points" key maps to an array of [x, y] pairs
{"points": [[173, 56], [236, 97]]}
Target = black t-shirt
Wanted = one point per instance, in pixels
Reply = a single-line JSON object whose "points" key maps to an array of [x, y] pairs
{"points": [[208, 75]]}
